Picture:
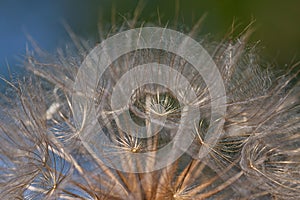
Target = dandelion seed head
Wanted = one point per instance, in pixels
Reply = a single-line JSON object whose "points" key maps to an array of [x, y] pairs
{"points": [[255, 154]]}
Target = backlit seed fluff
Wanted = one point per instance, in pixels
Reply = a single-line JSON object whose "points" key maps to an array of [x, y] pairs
{"points": [[257, 155]]}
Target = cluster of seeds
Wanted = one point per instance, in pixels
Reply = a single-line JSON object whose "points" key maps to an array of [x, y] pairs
{"points": [[257, 155]]}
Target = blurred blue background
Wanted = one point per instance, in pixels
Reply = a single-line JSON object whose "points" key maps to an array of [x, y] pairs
{"points": [[277, 22]]}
